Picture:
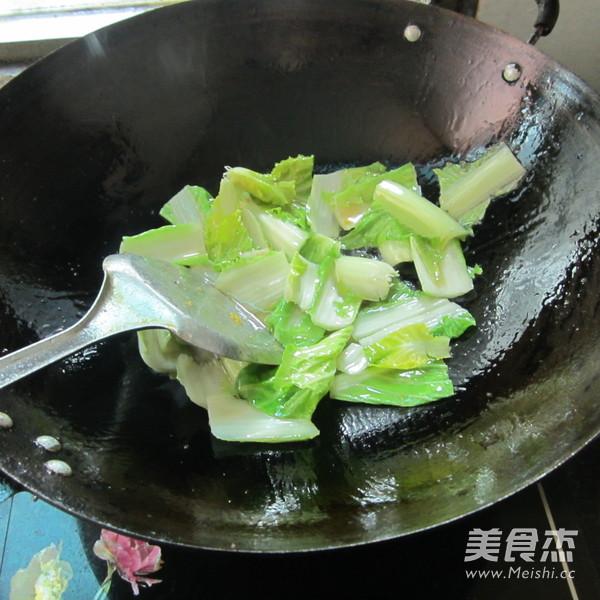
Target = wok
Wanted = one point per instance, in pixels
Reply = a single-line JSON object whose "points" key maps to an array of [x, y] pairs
{"points": [[94, 138]]}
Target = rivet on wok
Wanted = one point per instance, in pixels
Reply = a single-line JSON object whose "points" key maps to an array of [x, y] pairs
{"points": [[58, 467], [412, 33], [49, 443], [512, 72], [5, 421]]}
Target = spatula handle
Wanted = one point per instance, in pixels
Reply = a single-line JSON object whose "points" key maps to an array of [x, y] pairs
{"points": [[105, 318], [27, 360]]}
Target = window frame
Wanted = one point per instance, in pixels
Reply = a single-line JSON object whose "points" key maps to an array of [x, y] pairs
{"points": [[40, 24], [32, 29]]}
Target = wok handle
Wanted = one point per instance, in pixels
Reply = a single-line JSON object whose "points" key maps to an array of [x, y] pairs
{"points": [[546, 19]]}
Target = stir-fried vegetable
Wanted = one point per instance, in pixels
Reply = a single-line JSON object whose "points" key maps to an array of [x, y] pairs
{"points": [[313, 255]]}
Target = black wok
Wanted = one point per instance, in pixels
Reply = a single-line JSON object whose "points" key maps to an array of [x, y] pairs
{"points": [[94, 138]]}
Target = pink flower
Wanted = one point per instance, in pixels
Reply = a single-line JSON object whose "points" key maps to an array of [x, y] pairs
{"points": [[132, 559]]}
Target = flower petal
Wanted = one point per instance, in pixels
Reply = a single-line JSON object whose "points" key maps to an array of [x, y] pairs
{"points": [[132, 558], [46, 577]]}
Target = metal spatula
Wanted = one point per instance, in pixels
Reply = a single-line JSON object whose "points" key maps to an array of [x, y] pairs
{"points": [[140, 293]]}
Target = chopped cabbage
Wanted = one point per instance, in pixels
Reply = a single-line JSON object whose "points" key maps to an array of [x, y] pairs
{"points": [[313, 255]]}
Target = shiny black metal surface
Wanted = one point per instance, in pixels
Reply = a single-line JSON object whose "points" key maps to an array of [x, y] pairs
{"points": [[548, 11], [96, 137], [464, 7]]}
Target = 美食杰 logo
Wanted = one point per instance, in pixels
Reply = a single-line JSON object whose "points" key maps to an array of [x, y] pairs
{"points": [[546, 554]]}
